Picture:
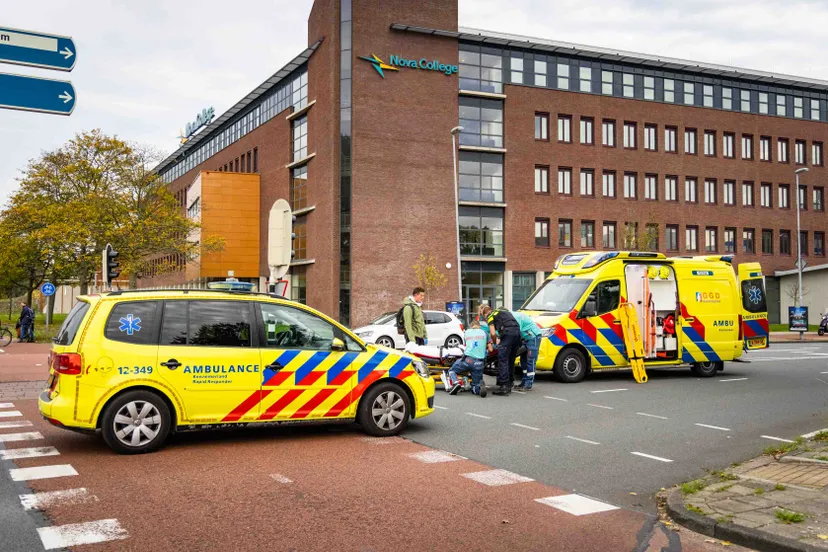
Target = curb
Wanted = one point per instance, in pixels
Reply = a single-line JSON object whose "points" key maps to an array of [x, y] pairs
{"points": [[733, 532]]}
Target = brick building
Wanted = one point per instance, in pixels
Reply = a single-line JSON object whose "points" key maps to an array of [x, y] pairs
{"points": [[563, 147]]}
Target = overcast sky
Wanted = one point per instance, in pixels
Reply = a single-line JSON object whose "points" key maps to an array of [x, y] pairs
{"points": [[146, 68]]}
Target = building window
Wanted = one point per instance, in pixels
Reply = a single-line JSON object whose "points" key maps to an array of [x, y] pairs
{"points": [[564, 233], [728, 140], [540, 73], [482, 122], [630, 191], [629, 86], [300, 138], [587, 182], [669, 90], [763, 103], [541, 180], [765, 148], [629, 135], [710, 143], [707, 89], [481, 231], [729, 192], [690, 190], [587, 131], [745, 101], [766, 195], [670, 188], [300, 239], [606, 83], [819, 193], [482, 283], [767, 242], [799, 152], [650, 237], [819, 244], [803, 242], [649, 88], [299, 188], [631, 235], [585, 77], [255, 160], [784, 196], [523, 284], [689, 93], [747, 194], [691, 238], [747, 146], [803, 197], [710, 191], [782, 150], [608, 184], [481, 177], [727, 98], [672, 237], [194, 209], [798, 108], [564, 128], [784, 242], [481, 72], [299, 284], [748, 240], [816, 154], [565, 181], [650, 140], [587, 234], [563, 76], [711, 243], [781, 105], [517, 70], [730, 240], [651, 187], [541, 126], [815, 110], [670, 139], [608, 235], [608, 133], [541, 232], [690, 141]]}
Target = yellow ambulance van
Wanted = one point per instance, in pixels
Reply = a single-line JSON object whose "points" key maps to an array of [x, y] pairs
{"points": [[690, 310]]}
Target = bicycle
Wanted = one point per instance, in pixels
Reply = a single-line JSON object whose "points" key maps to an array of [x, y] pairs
{"points": [[5, 336]]}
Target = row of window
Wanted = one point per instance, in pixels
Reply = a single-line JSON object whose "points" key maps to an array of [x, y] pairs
{"points": [[648, 240], [711, 145], [245, 163], [714, 192]]}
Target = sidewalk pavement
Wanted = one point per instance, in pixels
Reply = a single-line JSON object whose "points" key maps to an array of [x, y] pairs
{"points": [[789, 337], [777, 502], [24, 369]]}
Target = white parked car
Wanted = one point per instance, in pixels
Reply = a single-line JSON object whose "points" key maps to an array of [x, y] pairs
{"points": [[443, 329]]}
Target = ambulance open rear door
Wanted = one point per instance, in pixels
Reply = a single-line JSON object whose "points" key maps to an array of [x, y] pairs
{"points": [[754, 315]]}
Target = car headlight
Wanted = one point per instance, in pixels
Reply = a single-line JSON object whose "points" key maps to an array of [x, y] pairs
{"points": [[365, 335], [421, 368], [550, 331]]}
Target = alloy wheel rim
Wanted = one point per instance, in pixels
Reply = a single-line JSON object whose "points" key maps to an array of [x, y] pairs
{"points": [[137, 423], [388, 410], [453, 342], [385, 342]]}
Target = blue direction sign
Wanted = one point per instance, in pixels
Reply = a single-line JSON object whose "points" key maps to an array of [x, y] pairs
{"points": [[47, 289], [36, 94], [37, 49]]}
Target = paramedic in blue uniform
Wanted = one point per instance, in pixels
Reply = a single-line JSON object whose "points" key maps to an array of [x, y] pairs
{"points": [[503, 324], [531, 334], [473, 360]]}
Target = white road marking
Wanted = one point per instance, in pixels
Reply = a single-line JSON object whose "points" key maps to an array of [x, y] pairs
{"points": [[526, 427], [280, 478], [714, 427], [69, 497], [823, 372], [587, 441], [496, 478], [601, 406], [435, 456], [35, 452], [18, 423], [608, 390], [805, 436], [659, 458], [555, 398], [11, 437], [652, 416], [776, 359], [440, 407], [576, 504], [10, 413], [38, 365], [478, 415], [776, 439], [733, 379], [6, 405], [42, 472], [75, 534]]}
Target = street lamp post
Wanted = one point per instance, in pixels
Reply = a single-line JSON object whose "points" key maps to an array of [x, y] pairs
{"points": [[799, 243], [454, 132]]}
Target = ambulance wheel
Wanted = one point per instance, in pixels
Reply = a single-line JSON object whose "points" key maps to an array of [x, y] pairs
{"points": [[570, 366], [384, 410], [136, 422], [706, 369]]}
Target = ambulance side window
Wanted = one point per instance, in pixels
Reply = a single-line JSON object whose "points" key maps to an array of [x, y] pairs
{"points": [[603, 299], [219, 324], [132, 322], [292, 328]]}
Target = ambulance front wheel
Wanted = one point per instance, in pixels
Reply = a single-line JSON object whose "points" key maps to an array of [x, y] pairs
{"points": [[384, 410], [706, 369], [570, 366]]}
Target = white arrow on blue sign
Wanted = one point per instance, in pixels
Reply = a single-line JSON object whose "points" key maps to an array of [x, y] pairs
{"points": [[36, 94], [37, 49], [47, 289]]}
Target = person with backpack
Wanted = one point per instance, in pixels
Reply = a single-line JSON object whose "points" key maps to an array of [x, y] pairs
{"points": [[410, 321], [26, 322]]}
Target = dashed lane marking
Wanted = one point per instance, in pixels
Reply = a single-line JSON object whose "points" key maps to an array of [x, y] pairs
{"points": [[435, 456], [42, 472], [478, 415], [776, 439], [75, 534], [68, 497], [280, 478], [651, 457], [10, 413], [440, 407], [6, 405], [11, 437], [733, 379], [601, 406], [525, 426], [555, 398], [496, 478], [587, 441], [608, 390], [18, 423], [652, 416], [35, 452], [714, 427], [576, 505], [805, 436]]}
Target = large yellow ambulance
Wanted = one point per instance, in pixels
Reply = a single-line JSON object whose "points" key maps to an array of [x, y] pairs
{"points": [[690, 310]]}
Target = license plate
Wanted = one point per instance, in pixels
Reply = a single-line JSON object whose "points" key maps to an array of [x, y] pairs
{"points": [[756, 342]]}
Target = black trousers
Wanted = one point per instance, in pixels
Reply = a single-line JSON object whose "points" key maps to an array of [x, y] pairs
{"points": [[417, 340], [506, 355]]}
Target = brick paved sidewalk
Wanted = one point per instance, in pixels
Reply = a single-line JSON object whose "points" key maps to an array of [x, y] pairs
{"points": [[21, 389]]}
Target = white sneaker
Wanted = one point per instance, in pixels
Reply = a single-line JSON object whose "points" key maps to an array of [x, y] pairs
{"points": [[445, 380]]}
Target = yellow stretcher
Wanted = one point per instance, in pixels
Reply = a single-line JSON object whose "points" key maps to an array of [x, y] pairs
{"points": [[632, 339]]}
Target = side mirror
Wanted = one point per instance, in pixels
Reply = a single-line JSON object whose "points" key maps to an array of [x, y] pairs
{"points": [[337, 344], [590, 309]]}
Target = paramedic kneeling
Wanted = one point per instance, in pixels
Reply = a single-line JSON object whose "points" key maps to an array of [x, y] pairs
{"points": [[503, 324], [473, 360]]}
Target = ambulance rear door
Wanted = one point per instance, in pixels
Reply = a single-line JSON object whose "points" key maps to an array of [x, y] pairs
{"points": [[755, 329]]}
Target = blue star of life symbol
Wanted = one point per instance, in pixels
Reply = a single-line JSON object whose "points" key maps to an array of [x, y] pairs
{"points": [[755, 295], [130, 324]]}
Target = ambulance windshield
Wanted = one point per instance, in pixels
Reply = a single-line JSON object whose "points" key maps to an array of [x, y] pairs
{"points": [[557, 295]]}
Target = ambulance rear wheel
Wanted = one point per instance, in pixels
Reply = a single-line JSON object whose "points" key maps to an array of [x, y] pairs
{"points": [[136, 422], [706, 369], [384, 410], [570, 366]]}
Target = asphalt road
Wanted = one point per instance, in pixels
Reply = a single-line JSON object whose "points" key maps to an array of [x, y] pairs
{"points": [[608, 437]]}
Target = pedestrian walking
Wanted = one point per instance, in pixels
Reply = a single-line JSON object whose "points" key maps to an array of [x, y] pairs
{"points": [[503, 324], [473, 361], [26, 322], [531, 335], [411, 313]]}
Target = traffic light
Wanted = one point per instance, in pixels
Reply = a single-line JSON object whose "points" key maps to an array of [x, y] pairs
{"points": [[110, 269]]}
